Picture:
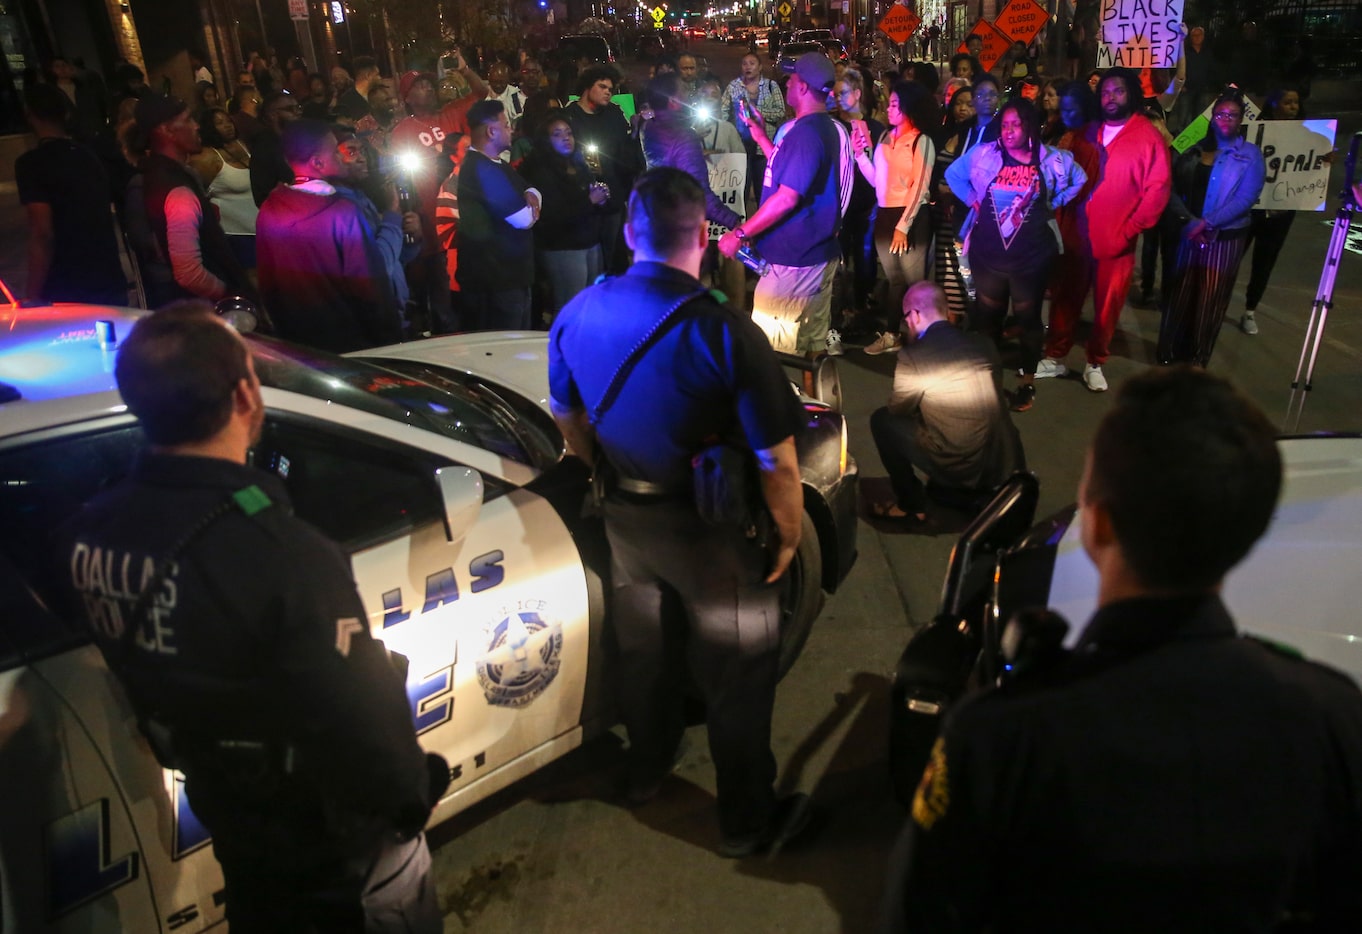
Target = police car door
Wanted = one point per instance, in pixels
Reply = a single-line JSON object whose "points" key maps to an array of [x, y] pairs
{"points": [[471, 578]]}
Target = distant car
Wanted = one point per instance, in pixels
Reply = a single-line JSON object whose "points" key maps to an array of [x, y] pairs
{"points": [[1297, 587], [835, 50], [437, 467], [596, 48], [791, 51], [812, 35]]}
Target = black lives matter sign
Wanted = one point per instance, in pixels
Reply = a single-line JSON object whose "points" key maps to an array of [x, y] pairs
{"points": [[1140, 33]]}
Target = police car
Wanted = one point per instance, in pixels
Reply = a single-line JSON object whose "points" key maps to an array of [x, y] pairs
{"points": [[438, 468], [1296, 588]]}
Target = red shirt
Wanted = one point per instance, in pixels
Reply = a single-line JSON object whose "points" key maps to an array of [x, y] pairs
{"points": [[426, 137]]}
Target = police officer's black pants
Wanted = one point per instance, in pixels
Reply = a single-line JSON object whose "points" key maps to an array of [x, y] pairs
{"points": [[685, 591]]}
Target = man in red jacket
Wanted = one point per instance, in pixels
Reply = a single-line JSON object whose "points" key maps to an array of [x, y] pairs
{"points": [[1132, 181]]}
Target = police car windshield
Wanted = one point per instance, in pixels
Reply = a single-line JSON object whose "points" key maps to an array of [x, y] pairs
{"points": [[470, 412]]}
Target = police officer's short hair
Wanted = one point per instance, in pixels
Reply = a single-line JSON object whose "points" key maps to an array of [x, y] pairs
{"points": [[177, 371], [1189, 471], [665, 209]]}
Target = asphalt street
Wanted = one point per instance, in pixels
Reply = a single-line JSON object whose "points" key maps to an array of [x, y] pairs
{"points": [[557, 852]]}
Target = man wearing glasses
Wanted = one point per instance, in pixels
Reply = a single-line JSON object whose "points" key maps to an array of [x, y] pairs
{"points": [[268, 165]]}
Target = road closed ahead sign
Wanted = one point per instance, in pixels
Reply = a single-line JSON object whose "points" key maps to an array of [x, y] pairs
{"points": [[900, 23], [1021, 20]]}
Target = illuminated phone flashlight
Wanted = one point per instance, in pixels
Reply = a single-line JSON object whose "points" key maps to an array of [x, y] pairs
{"points": [[408, 162], [704, 112], [593, 159], [592, 148]]}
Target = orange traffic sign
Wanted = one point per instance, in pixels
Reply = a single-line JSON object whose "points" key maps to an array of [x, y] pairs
{"points": [[1021, 20], [900, 23], [995, 43]]}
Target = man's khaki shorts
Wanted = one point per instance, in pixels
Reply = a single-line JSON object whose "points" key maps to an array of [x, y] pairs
{"points": [[793, 306]]}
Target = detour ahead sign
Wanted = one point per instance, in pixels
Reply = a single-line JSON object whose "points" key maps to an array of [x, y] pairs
{"points": [[1020, 20], [899, 23]]}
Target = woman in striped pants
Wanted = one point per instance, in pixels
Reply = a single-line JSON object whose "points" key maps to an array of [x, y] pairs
{"points": [[1215, 184]]}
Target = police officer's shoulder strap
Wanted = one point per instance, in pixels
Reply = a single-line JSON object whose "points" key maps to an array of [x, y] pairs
{"points": [[249, 501], [612, 389]]}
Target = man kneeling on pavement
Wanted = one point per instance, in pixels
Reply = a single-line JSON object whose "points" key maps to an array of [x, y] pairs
{"points": [[946, 415]]}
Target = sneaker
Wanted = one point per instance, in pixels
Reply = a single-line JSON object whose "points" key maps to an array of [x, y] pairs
{"points": [[790, 818], [834, 343], [1248, 323], [1050, 368], [1093, 378], [1023, 397], [884, 342]]}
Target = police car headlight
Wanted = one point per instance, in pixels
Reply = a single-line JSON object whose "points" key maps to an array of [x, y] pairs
{"points": [[239, 312]]}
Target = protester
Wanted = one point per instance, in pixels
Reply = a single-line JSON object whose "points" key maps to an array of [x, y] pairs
{"points": [[322, 277], [224, 167], [901, 171], [84, 90], [1128, 197], [566, 242], [1013, 187], [385, 224], [858, 226], [499, 88], [602, 131], [669, 139], [184, 223], [1053, 125], [946, 212], [752, 89], [268, 165], [1215, 184], [945, 417], [244, 109], [807, 190], [1268, 230], [496, 211], [73, 253], [353, 103]]}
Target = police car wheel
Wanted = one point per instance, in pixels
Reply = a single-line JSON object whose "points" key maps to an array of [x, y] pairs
{"points": [[801, 595]]}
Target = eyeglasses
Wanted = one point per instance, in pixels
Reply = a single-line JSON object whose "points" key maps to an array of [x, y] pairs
{"points": [[1226, 115]]}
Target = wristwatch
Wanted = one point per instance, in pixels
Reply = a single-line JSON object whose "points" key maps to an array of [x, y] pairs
{"points": [[740, 233]]}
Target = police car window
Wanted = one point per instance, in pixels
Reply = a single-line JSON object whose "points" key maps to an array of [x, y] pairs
{"points": [[357, 492], [453, 410], [41, 486]]}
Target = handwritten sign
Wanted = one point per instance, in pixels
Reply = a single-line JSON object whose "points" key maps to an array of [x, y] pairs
{"points": [[1196, 130], [1140, 33], [727, 179], [1296, 154], [995, 43], [899, 23], [1021, 20]]}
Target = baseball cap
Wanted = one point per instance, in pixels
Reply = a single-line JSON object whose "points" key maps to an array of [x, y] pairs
{"points": [[814, 68], [411, 77], [155, 109]]}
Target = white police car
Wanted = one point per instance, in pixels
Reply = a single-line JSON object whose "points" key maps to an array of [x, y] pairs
{"points": [[438, 468]]}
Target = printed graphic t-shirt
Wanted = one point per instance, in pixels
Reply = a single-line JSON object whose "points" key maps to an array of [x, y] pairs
{"points": [[1013, 227]]}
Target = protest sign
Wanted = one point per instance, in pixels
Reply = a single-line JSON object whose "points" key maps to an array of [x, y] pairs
{"points": [[1296, 154], [995, 43], [727, 179], [1197, 128], [1020, 20], [1140, 33]]}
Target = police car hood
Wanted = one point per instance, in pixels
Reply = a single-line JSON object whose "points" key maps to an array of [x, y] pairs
{"points": [[517, 360], [1299, 585]]}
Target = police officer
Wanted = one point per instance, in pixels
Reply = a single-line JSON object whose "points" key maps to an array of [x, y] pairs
{"points": [[709, 374], [242, 643], [1168, 774]]}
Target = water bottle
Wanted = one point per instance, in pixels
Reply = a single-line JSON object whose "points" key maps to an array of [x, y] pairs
{"points": [[749, 257]]}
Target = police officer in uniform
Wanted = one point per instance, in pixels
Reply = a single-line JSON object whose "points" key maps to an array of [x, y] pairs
{"points": [[1167, 774], [684, 588], [245, 651]]}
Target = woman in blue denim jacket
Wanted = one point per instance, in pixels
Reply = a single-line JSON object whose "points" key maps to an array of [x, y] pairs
{"points": [[1012, 187], [1215, 184]]}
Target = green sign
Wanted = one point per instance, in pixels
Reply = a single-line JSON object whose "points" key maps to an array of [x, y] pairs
{"points": [[625, 102]]}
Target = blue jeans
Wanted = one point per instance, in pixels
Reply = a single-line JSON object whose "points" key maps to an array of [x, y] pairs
{"points": [[568, 272]]}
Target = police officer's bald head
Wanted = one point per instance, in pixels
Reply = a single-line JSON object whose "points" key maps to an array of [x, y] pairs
{"points": [[666, 213]]}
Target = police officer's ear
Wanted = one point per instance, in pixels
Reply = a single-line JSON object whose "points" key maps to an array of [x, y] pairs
{"points": [[1098, 532], [703, 235]]}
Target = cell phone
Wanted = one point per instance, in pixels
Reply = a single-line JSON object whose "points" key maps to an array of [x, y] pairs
{"points": [[745, 109]]}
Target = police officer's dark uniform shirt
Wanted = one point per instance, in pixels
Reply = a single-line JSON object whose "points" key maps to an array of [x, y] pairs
{"points": [[1168, 776], [949, 382], [257, 634], [687, 387]]}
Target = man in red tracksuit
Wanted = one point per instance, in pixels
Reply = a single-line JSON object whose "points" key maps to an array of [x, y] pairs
{"points": [[1133, 180]]}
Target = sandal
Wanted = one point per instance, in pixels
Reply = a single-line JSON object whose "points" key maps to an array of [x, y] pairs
{"points": [[892, 512]]}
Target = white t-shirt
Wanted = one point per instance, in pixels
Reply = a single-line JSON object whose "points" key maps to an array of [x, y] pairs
{"points": [[1110, 132]]}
